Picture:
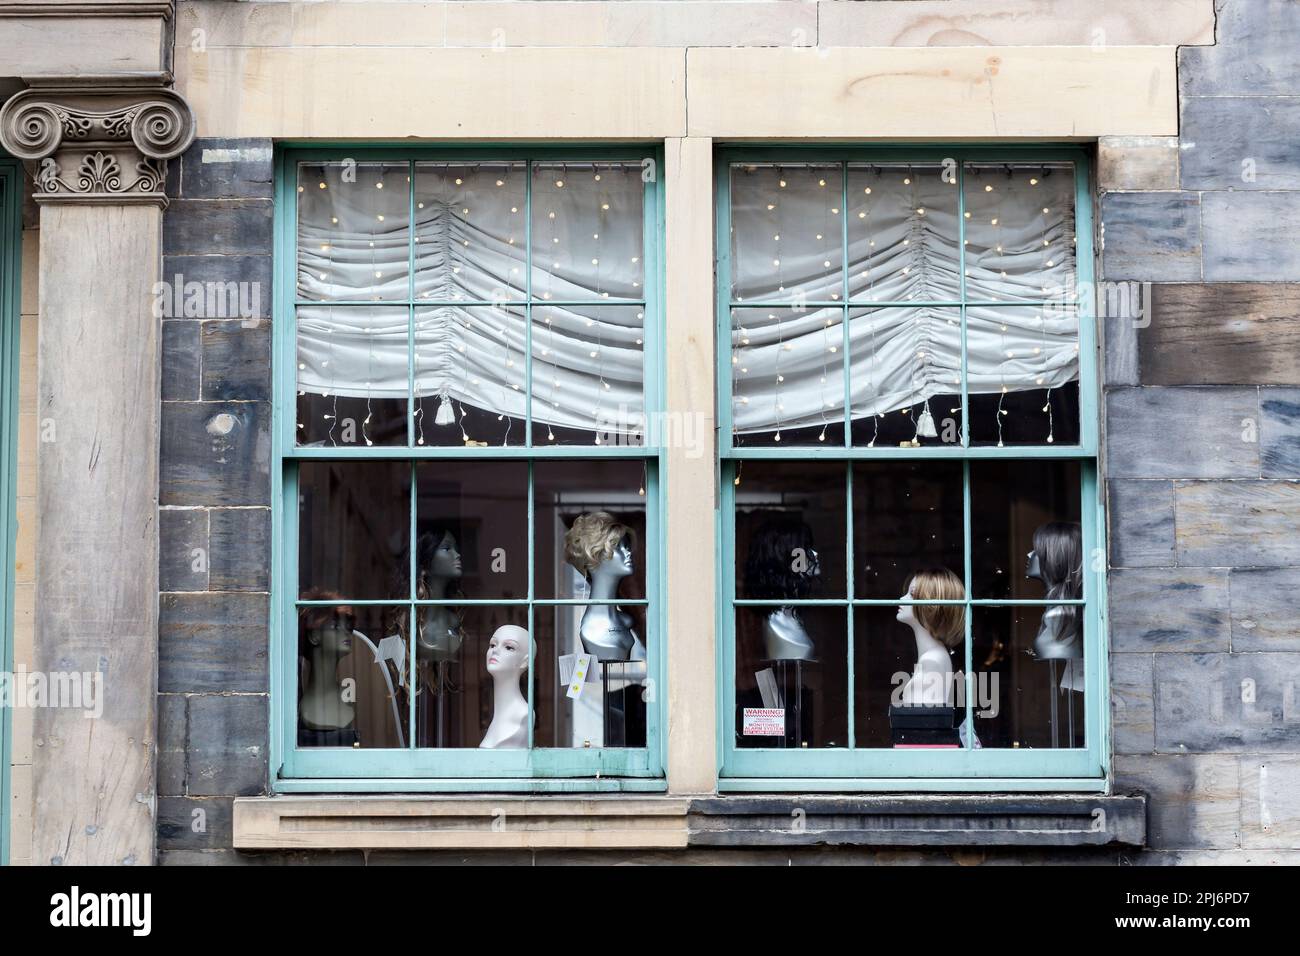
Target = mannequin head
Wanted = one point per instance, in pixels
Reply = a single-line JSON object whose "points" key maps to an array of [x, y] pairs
{"points": [[598, 544], [326, 630], [437, 556], [946, 623], [507, 652], [782, 563], [1057, 559]]}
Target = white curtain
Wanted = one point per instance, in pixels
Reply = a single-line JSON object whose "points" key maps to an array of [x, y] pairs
{"points": [[788, 230], [902, 227], [471, 233]]}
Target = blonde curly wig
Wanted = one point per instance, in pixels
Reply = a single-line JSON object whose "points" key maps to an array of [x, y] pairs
{"points": [[593, 538]]}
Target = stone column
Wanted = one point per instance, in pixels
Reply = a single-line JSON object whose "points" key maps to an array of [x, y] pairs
{"points": [[97, 152]]}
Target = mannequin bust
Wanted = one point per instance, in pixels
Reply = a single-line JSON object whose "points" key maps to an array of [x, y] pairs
{"points": [[327, 639], [1057, 561], [782, 565], [438, 572], [938, 630], [601, 549], [507, 662]]}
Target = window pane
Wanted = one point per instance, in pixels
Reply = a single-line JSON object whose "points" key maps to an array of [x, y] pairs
{"points": [[588, 374], [472, 530], [1021, 698], [346, 692], [906, 376], [588, 241], [907, 517], [460, 692], [1016, 508], [470, 231], [1024, 375], [790, 530], [785, 701], [470, 375], [903, 236], [1020, 232], [907, 667], [607, 704], [354, 522], [787, 368], [352, 375], [787, 241], [583, 512], [354, 231]]}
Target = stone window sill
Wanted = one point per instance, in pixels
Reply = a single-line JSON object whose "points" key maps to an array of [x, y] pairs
{"points": [[635, 822]]}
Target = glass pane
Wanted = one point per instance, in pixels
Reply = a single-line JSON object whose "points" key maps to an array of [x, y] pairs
{"points": [[906, 377], [465, 695], [354, 239], [354, 520], [789, 701], [787, 373], [603, 704], [903, 233], [588, 241], [346, 694], [790, 530], [352, 375], [907, 517], [583, 513], [1024, 375], [1021, 698], [588, 375], [472, 530], [470, 375], [1020, 232], [908, 669], [470, 231], [1020, 509], [787, 241]]}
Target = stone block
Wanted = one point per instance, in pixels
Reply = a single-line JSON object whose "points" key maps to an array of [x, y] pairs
{"points": [[1240, 142], [204, 227], [228, 742], [1194, 800], [1141, 517], [1251, 236], [1227, 703], [213, 643], [180, 361], [240, 549], [1151, 237], [237, 361], [1279, 432], [184, 555], [228, 169], [216, 453], [1182, 433], [1137, 163], [1265, 609], [1132, 695], [1178, 609], [1237, 524]]}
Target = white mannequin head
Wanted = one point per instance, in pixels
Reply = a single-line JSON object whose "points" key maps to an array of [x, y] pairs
{"points": [[507, 652]]}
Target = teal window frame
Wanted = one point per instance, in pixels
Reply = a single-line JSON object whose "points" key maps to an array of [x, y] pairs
{"points": [[11, 201], [342, 770], [890, 770]]}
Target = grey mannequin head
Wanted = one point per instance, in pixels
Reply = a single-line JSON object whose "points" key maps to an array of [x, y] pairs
{"points": [[598, 543], [1057, 559]]}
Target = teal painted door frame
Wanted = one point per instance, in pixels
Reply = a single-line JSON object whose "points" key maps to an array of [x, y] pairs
{"points": [[890, 770], [11, 192]]}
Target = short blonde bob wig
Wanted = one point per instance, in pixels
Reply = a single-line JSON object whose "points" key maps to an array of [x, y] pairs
{"points": [[945, 622], [593, 538]]}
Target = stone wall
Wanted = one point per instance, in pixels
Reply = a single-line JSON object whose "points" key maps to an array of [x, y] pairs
{"points": [[215, 493], [1202, 448]]}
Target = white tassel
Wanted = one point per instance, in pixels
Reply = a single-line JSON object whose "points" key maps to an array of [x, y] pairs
{"points": [[925, 424], [445, 414]]}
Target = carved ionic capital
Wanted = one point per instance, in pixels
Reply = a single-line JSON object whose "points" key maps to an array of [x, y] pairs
{"points": [[97, 143]]}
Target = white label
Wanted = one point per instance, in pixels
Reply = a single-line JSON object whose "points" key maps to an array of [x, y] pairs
{"points": [[764, 722], [579, 679]]}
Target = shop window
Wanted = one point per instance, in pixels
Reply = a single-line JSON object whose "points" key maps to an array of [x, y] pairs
{"points": [[907, 388], [468, 543]]}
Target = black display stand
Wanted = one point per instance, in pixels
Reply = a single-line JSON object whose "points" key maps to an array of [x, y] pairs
{"points": [[923, 726]]}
